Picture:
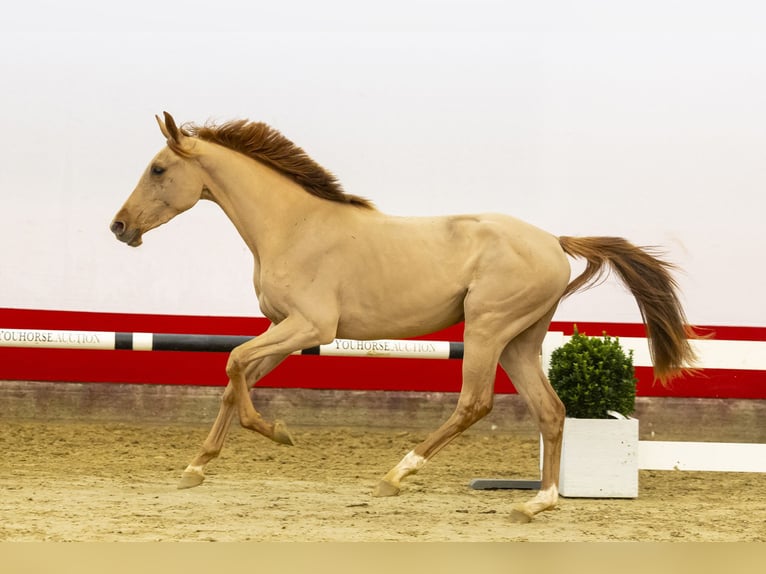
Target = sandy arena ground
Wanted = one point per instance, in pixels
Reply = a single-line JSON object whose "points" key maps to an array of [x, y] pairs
{"points": [[69, 481]]}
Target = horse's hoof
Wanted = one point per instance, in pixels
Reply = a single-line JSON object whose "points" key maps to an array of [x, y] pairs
{"points": [[521, 515], [190, 480], [282, 435], [385, 488]]}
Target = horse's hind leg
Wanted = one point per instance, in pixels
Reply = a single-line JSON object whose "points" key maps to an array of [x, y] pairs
{"points": [[521, 361], [211, 448], [475, 402]]}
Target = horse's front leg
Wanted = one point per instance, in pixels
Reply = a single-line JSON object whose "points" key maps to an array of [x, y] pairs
{"points": [[211, 448], [251, 361], [292, 334]]}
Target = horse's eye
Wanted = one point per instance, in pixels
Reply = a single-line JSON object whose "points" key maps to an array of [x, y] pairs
{"points": [[157, 170]]}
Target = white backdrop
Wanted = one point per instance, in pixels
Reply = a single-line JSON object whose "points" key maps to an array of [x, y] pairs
{"points": [[641, 119]]}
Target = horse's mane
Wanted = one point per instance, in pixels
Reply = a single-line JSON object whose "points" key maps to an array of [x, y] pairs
{"points": [[265, 144]]}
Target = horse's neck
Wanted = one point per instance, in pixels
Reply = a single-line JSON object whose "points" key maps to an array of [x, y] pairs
{"points": [[261, 203]]}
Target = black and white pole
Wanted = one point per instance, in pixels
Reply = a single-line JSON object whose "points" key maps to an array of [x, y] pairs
{"points": [[113, 340]]}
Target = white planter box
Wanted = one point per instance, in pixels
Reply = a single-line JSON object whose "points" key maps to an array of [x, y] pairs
{"points": [[599, 458]]}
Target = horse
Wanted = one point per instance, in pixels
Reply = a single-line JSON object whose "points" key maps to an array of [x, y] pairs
{"points": [[329, 264]]}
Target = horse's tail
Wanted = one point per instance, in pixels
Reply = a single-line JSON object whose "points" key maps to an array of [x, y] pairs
{"points": [[656, 291]]}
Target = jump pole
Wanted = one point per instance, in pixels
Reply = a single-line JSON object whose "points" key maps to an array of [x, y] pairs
{"points": [[115, 341]]}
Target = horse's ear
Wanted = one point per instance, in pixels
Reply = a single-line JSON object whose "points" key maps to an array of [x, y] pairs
{"points": [[169, 128]]}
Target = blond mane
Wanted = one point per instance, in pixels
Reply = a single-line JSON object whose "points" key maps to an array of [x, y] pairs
{"points": [[265, 144]]}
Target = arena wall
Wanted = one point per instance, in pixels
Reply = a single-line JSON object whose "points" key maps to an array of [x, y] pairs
{"points": [[736, 372]]}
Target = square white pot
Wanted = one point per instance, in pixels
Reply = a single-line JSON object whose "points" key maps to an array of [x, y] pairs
{"points": [[599, 458]]}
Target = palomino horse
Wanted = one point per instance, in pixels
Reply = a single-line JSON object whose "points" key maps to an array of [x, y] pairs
{"points": [[328, 264]]}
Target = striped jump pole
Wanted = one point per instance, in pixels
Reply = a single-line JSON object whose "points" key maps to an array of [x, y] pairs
{"points": [[113, 340]]}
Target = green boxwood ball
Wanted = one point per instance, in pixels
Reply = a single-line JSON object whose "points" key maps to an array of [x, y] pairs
{"points": [[593, 375]]}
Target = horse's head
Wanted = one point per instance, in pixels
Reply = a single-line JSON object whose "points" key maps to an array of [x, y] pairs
{"points": [[171, 184]]}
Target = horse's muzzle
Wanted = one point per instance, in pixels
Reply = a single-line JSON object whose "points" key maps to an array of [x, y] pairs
{"points": [[121, 232], [117, 227]]}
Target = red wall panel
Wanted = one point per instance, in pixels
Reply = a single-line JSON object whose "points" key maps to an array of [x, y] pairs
{"points": [[180, 368]]}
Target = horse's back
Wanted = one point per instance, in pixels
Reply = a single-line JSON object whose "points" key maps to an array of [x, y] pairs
{"points": [[477, 242]]}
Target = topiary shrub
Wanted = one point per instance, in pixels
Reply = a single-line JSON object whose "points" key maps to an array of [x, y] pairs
{"points": [[593, 375]]}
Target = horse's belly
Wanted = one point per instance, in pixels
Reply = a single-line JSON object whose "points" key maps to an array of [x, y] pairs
{"points": [[400, 314]]}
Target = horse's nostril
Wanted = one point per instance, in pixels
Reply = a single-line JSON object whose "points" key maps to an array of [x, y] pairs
{"points": [[117, 227]]}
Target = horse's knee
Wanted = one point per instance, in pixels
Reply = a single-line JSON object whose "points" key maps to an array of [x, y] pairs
{"points": [[234, 364]]}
